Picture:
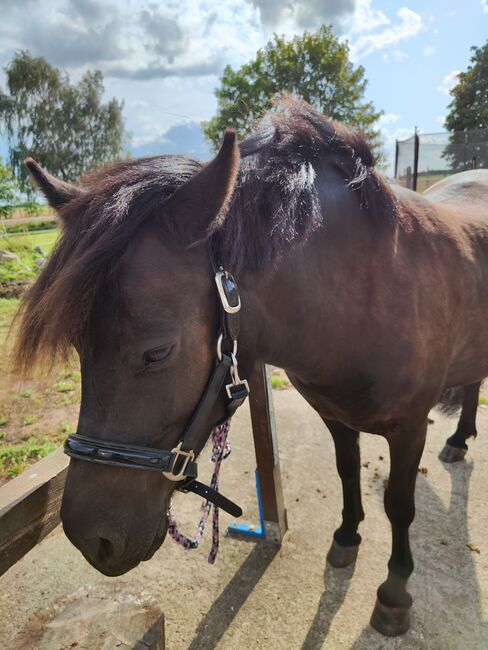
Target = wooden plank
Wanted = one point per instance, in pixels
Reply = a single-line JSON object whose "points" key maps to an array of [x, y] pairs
{"points": [[266, 449], [29, 507]]}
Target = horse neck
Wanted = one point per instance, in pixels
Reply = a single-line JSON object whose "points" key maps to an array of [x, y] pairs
{"points": [[302, 304]]}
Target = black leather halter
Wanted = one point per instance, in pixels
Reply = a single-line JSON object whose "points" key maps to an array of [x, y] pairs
{"points": [[179, 463]]}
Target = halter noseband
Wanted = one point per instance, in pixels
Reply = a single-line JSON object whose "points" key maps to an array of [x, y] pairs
{"points": [[179, 464]]}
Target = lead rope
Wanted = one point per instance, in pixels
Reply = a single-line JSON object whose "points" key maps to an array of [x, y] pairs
{"points": [[220, 450]]}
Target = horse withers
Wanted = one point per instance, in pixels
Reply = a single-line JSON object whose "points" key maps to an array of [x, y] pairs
{"points": [[372, 298]]}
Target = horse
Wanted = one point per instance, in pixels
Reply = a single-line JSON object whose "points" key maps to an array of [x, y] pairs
{"points": [[466, 397], [374, 300]]}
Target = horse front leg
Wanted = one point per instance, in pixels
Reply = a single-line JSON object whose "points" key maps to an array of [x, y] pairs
{"points": [[391, 615], [346, 541], [455, 448]]}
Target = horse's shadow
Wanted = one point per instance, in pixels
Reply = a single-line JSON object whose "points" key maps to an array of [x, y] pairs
{"points": [[452, 626], [450, 548], [225, 608], [336, 587], [447, 548]]}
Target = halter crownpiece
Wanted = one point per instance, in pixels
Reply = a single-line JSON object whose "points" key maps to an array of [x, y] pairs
{"points": [[179, 464]]}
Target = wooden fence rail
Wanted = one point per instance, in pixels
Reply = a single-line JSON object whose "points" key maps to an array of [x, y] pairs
{"points": [[29, 507]]}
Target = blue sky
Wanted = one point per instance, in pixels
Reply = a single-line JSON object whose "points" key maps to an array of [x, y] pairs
{"points": [[165, 58]]}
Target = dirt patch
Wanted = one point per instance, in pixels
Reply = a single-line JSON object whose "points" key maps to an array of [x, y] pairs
{"points": [[14, 288], [94, 617]]}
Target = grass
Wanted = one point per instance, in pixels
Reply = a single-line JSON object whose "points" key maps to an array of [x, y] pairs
{"points": [[36, 415], [8, 307], [22, 211], [279, 382], [15, 458], [483, 400], [28, 264], [65, 386]]}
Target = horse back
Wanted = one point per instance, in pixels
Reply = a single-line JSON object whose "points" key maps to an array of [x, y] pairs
{"points": [[468, 188]]}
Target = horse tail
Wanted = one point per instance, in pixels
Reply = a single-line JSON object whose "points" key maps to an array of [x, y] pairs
{"points": [[451, 400]]}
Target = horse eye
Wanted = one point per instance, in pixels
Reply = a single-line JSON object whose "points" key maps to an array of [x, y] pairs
{"points": [[156, 354]]}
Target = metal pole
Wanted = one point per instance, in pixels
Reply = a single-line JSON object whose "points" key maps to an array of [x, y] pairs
{"points": [[415, 160], [397, 147]]}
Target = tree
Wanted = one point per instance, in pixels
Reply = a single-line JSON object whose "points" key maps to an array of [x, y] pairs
{"points": [[314, 66], [468, 113], [8, 193], [65, 127]]}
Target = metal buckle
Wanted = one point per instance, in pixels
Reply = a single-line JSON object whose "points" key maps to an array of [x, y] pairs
{"points": [[223, 296], [242, 382], [187, 455], [234, 375]]}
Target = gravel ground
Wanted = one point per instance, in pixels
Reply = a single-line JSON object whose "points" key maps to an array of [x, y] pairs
{"points": [[257, 596]]}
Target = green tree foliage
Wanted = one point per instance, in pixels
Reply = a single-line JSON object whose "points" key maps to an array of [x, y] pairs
{"points": [[468, 112], [8, 190], [314, 66], [65, 127]]}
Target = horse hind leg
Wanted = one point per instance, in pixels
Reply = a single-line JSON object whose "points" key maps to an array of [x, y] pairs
{"points": [[455, 448], [345, 545]]}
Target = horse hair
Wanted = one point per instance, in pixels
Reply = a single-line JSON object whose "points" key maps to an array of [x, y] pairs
{"points": [[275, 204]]}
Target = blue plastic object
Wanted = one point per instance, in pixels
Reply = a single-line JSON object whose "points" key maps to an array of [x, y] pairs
{"points": [[251, 530]]}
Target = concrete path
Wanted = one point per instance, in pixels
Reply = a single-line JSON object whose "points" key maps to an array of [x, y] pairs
{"points": [[257, 596]]}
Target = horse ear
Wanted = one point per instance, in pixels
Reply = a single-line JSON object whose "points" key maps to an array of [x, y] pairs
{"points": [[57, 192], [201, 203]]}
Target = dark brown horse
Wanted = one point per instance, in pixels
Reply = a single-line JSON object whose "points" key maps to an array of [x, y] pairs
{"points": [[372, 298]]}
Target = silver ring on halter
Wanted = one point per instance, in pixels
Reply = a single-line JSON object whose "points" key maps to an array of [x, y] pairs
{"points": [[219, 348]]}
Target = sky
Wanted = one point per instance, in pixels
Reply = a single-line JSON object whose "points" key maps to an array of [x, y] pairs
{"points": [[165, 58]]}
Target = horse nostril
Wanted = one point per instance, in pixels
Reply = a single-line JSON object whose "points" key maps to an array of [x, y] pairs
{"points": [[105, 549], [104, 553]]}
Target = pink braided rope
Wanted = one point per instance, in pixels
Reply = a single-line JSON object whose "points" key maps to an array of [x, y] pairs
{"points": [[220, 451]]}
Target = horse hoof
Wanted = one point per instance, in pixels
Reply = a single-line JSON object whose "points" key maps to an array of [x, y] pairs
{"points": [[390, 621], [341, 556], [452, 454]]}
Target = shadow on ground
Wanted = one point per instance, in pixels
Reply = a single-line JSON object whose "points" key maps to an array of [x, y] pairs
{"points": [[445, 558], [225, 608]]}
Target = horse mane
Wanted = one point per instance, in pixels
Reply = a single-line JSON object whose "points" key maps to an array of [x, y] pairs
{"points": [[275, 204]]}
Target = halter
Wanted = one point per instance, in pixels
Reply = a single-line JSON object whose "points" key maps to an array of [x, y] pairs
{"points": [[179, 464]]}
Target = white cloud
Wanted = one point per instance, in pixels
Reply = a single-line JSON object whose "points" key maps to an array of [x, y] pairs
{"points": [[449, 81], [396, 55], [410, 25], [399, 55], [484, 6], [365, 18], [389, 118], [440, 119], [429, 50]]}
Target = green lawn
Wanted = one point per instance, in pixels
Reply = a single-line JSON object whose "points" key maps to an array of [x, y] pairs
{"points": [[45, 239], [24, 245]]}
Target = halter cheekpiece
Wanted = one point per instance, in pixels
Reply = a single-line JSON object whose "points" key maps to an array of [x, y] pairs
{"points": [[179, 464]]}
